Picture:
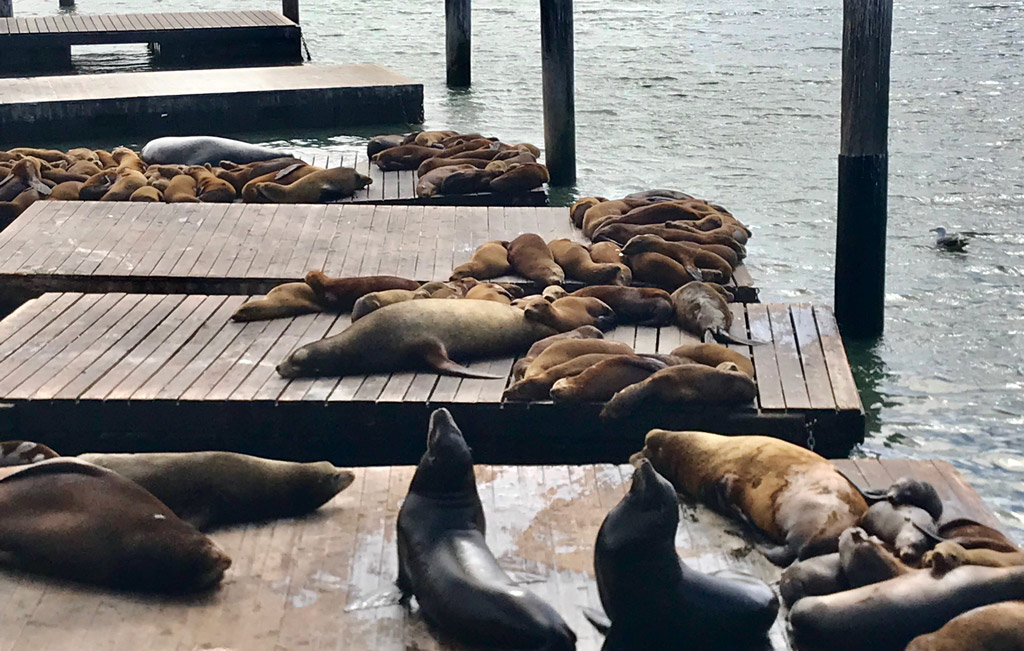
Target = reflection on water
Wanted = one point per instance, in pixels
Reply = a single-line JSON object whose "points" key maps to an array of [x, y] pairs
{"points": [[739, 102]]}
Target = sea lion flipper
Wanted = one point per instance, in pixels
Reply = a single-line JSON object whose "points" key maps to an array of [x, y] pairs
{"points": [[287, 170], [598, 619], [723, 337], [436, 357], [6, 179], [780, 555]]}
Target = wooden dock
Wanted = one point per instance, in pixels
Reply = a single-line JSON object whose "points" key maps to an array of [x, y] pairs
{"points": [[139, 372], [40, 43], [228, 100], [250, 248], [311, 583]]}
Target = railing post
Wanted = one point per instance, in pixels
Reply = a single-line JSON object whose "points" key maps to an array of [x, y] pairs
{"points": [[457, 14], [863, 168], [290, 9], [556, 44], [6, 8]]}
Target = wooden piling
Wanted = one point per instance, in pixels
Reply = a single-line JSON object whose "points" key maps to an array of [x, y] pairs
{"points": [[863, 168], [6, 8], [290, 9], [556, 43], [67, 4], [458, 34]]}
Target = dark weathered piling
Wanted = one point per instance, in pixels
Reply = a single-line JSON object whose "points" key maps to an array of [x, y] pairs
{"points": [[863, 168], [67, 4], [6, 8], [458, 33], [290, 9], [556, 43]]}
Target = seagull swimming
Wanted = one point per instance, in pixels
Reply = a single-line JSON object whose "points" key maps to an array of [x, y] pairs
{"points": [[951, 242]]}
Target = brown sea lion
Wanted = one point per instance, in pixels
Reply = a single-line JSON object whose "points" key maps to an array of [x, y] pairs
{"points": [[487, 154], [467, 181], [433, 163], [712, 354], [146, 193], [538, 386], [909, 529], [685, 384], [97, 185], [181, 189], [489, 292], [24, 175], [575, 261], [610, 253], [689, 256], [209, 188], [127, 159], [59, 176], [604, 379], [622, 233], [659, 194], [975, 535], [996, 627], [599, 214], [128, 181], [428, 185], [284, 176], [796, 497], [571, 312], [888, 615], [531, 258], [522, 177], [375, 300], [85, 168], [75, 520], [48, 155], [701, 310], [563, 350], [661, 271], [583, 332], [460, 138], [431, 138], [417, 334], [208, 489], [106, 159], [339, 294], [580, 207], [319, 187], [11, 210], [83, 154], [866, 560], [640, 305], [947, 554], [378, 144], [468, 145], [404, 157], [490, 260], [289, 299], [239, 175]]}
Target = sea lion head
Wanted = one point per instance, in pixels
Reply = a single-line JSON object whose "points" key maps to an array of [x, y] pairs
{"points": [[915, 492], [361, 181], [648, 512], [310, 360], [320, 482], [641, 244], [447, 465]]}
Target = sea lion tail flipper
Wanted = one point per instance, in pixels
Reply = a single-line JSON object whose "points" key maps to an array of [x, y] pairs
{"points": [[723, 337], [694, 272], [780, 555], [287, 170], [598, 619], [625, 401], [40, 187], [436, 357], [930, 531]]}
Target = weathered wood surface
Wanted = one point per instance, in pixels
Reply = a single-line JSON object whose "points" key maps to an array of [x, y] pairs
{"points": [[311, 582], [250, 248], [148, 370], [172, 102]]}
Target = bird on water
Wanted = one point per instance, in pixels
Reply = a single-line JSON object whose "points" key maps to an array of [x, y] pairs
{"points": [[950, 241]]}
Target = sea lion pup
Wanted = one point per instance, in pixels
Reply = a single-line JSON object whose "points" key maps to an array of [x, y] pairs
{"points": [[604, 379], [209, 188], [283, 176], [713, 355], [375, 300], [538, 387], [575, 260], [580, 207], [571, 312], [128, 181], [428, 185], [490, 260], [562, 350], [377, 144], [489, 292], [24, 175], [208, 489], [947, 555], [340, 294], [684, 384], [319, 187], [522, 177], [147, 193], [583, 332], [181, 189], [815, 576], [531, 258], [289, 299], [640, 305], [997, 627], [403, 157], [20, 453], [418, 334], [75, 520], [443, 558], [796, 497], [653, 599], [888, 615], [688, 256], [701, 310], [866, 560]]}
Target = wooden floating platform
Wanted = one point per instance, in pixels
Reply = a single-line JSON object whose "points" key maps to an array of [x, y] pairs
{"points": [[44, 42], [310, 583], [250, 248], [173, 102], [138, 372]]}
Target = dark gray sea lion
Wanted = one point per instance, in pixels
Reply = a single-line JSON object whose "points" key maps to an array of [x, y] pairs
{"points": [[443, 558], [653, 599], [75, 520], [378, 144], [418, 334], [886, 616], [701, 310], [816, 576], [909, 529], [199, 150]]}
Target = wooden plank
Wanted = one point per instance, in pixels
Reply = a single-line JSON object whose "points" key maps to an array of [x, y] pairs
{"points": [[259, 343], [819, 386], [794, 386], [766, 368], [843, 386]]}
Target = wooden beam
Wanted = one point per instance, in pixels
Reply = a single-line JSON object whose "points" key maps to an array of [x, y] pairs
{"points": [[556, 42], [290, 9], [458, 34]]}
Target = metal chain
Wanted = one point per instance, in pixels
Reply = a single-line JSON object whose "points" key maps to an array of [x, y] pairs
{"points": [[811, 441]]}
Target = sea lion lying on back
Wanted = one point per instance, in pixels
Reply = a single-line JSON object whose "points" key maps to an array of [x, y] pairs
{"points": [[796, 497], [414, 334]]}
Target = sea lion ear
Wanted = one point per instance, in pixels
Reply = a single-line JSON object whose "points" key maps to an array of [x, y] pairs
{"points": [[208, 166]]}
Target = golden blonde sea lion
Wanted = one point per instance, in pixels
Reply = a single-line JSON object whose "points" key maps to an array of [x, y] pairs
{"points": [[126, 159], [128, 181], [724, 384], [571, 312], [181, 189], [710, 265], [575, 260], [67, 191], [584, 332], [490, 260], [147, 193], [711, 354], [375, 300], [562, 350], [606, 378], [531, 258], [289, 299], [489, 292], [537, 387], [283, 176], [521, 177]]}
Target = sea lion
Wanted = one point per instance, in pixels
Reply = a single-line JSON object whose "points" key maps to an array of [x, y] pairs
{"points": [[522, 177], [489, 292], [571, 312], [562, 350], [318, 187], [909, 529], [583, 332], [106, 159], [444, 560], [208, 489], [640, 305], [996, 627], [428, 184], [690, 257], [289, 299], [24, 175], [796, 497], [948, 554], [432, 138], [147, 193], [580, 207], [209, 188], [127, 182], [974, 535], [403, 157], [531, 258], [181, 189], [653, 599], [199, 150], [11, 210], [238, 175], [815, 576], [417, 334], [490, 260], [538, 386], [604, 379], [48, 155], [460, 138], [467, 145], [865, 559], [622, 233], [339, 294], [378, 144], [661, 271], [75, 520], [713, 355], [907, 491], [283, 176], [888, 615], [127, 159], [467, 181], [375, 300], [487, 154], [59, 176], [19, 453], [701, 310], [660, 195], [575, 260], [85, 168], [598, 214], [685, 384], [83, 154], [432, 164]]}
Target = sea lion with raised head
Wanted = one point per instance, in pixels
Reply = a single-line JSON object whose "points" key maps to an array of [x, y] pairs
{"points": [[531, 258], [606, 378], [996, 627], [199, 150], [701, 310], [685, 384], [419, 334], [75, 520], [490, 260], [653, 599], [571, 312], [367, 303], [948, 554], [444, 560], [289, 299], [340, 294], [646, 306], [794, 496], [575, 260], [24, 175], [318, 187], [866, 560], [583, 332]]}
